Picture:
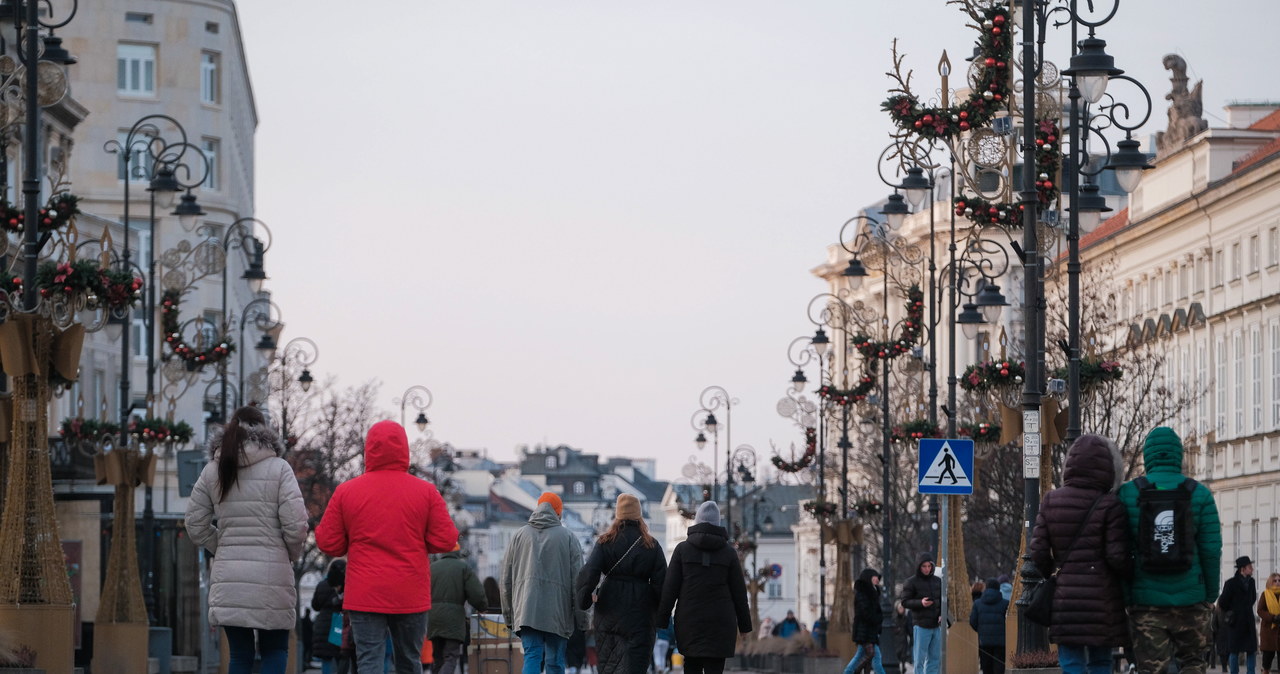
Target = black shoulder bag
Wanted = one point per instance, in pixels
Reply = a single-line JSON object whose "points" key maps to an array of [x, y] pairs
{"points": [[1040, 604]]}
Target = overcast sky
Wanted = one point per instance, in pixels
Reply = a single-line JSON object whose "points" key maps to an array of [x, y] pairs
{"points": [[568, 217]]}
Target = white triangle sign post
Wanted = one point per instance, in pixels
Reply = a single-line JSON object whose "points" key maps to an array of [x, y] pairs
{"points": [[946, 466]]}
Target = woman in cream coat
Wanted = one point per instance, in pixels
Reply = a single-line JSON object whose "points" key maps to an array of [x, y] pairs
{"points": [[261, 526]]}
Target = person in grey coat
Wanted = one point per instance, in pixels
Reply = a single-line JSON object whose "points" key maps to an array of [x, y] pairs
{"points": [[261, 526], [538, 573]]}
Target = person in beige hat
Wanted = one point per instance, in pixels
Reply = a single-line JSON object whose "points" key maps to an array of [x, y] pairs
{"points": [[633, 566]]}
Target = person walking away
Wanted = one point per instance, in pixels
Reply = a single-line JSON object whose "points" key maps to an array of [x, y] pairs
{"points": [[706, 589], [1237, 600], [867, 616], [1081, 534], [327, 602], [787, 627], [662, 645], [386, 522], [538, 572], [987, 619], [922, 595], [1269, 631], [1176, 560], [260, 527], [1006, 587], [453, 585], [633, 567]]}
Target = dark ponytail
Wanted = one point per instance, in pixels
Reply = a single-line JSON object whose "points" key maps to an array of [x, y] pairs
{"points": [[232, 446]]}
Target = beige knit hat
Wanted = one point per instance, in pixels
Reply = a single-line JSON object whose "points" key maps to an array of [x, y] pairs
{"points": [[628, 508]]}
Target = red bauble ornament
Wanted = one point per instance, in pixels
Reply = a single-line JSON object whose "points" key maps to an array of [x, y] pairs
{"points": [[964, 126], [918, 124], [1052, 139], [998, 19], [997, 30], [990, 61], [1001, 64], [964, 114], [999, 97]]}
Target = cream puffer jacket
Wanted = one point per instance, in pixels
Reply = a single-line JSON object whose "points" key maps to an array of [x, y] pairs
{"points": [[259, 530]]}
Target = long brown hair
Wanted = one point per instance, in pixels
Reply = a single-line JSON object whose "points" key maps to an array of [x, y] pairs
{"points": [[615, 530], [232, 447]]}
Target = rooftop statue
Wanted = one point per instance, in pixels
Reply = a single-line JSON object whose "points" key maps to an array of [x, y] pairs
{"points": [[1185, 120]]}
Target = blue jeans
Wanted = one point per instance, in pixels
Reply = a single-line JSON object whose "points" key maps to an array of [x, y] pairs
{"points": [[1251, 662], [273, 644], [876, 663], [1084, 659], [539, 646], [927, 651], [370, 630]]}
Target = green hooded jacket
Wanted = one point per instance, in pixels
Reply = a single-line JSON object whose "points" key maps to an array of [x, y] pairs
{"points": [[1162, 457], [453, 586], [538, 574]]}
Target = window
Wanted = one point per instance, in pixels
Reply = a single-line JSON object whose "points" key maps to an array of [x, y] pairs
{"points": [[1235, 261], [1221, 385], [1237, 363], [579, 489], [1273, 247], [1255, 254], [1153, 292], [1255, 371], [1201, 386], [1275, 375], [1184, 281], [210, 147], [1169, 279], [551, 462], [210, 89], [1218, 262], [1139, 307], [211, 27], [136, 69], [1197, 277], [139, 17], [141, 163], [138, 334], [773, 589], [210, 327]]}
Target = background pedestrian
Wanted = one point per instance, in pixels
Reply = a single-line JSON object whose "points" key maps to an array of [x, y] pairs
{"points": [[453, 585], [987, 619], [867, 617], [633, 566], [1237, 602], [538, 572], [386, 522], [706, 588], [326, 643], [260, 527], [922, 594]]}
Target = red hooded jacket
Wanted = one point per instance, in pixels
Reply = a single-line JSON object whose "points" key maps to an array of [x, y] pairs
{"points": [[386, 522]]}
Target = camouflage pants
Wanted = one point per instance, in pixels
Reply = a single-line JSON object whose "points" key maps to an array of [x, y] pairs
{"points": [[1164, 633]]}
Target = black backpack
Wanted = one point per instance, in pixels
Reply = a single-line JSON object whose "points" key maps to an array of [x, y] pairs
{"points": [[1166, 527]]}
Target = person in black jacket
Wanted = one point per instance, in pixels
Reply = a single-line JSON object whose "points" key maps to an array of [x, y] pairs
{"points": [[706, 588], [922, 595], [867, 617], [327, 601], [634, 567], [987, 619], [1237, 599]]}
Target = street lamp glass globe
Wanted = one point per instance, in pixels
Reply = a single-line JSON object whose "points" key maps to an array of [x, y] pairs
{"points": [[1088, 221], [768, 522], [1092, 86], [266, 347], [798, 381], [421, 422], [700, 441], [970, 330], [711, 422], [1129, 178], [306, 379], [820, 342], [990, 313]]}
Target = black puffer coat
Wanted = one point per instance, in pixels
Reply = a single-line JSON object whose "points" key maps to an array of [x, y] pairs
{"points": [[706, 588], [1237, 598], [1089, 605], [987, 617], [917, 588], [627, 600], [867, 614], [326, 600]]}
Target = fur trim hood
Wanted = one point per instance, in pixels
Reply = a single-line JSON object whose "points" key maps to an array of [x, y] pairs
{"points": [[261, 442]]}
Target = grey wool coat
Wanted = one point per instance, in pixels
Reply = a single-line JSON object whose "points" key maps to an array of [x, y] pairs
{"points": [[259, 530], [538, 573]]}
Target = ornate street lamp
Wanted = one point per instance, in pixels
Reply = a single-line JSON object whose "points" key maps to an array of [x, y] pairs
{"points": [[418, 397]]}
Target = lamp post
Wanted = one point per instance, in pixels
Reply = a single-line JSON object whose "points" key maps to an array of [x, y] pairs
{"points": [[265, 315], [418, 397], [301, 352], [743, 461], [243, 234], [711, 399]]}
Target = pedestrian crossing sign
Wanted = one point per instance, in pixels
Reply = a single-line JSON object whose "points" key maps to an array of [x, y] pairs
{"points": [[946, 466]]}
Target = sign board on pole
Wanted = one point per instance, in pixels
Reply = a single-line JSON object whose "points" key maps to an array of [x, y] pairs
{"points": [[946, 466]]}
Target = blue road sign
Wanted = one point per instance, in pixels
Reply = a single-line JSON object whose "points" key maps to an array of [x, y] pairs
{"points": [[946, 466]]}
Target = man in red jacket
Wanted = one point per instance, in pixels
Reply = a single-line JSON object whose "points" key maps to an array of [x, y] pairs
{"points": [[386, 522]]}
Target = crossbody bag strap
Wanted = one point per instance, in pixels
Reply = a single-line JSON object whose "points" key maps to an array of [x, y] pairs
{"points": [[624, 556], [1079, 530]]}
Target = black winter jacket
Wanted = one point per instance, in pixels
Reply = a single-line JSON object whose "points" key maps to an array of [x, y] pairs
{"points": [[325, 602], [867, 614], [919, 586], [1237, 599], [629, 596], [1089, 604], [706, 588], [987, 617]]}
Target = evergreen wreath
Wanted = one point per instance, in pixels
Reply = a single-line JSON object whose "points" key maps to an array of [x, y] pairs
{"points": [[988, 375], [54, 215], [221, 349], [980, 431], [1048, 165], [1094, 371], [914, 430], [806, 459], [154, 429], [820, 508], [76, 429], [872, 350]]}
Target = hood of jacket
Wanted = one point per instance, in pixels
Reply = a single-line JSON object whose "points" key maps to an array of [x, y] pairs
{"points": [[456, 554], [1092, 463], [544, 517], [260, 443], [864, 585], [991, 595], [1162, 451], [707, 536], [386, 448], [924, 557]]}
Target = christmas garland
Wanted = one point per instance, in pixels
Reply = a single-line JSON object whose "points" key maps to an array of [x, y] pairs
{"points": [[221, 349], [86, 430], [57, 213], [995, 49], [820, 508], [806, 459], [980, 432], [1048, 163], [989, 375], [872, 350], [153, 429], [914, 430], [842, 397], [1094, 371], [111, 288], [864, 508]]}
